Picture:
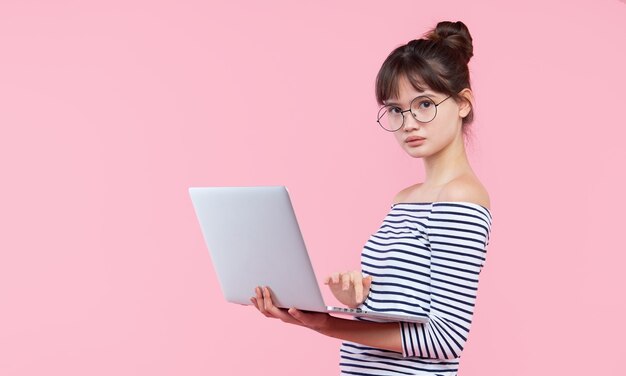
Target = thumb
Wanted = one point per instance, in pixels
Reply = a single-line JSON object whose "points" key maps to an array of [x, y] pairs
{"points": [[367, 281], [294, 312]]}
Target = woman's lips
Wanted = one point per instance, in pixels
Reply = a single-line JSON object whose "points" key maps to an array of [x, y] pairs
{"points": [[415, 141]]}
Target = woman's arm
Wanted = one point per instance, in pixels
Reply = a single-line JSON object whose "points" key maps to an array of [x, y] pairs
{"points": [[458, 233], [380, 335]]}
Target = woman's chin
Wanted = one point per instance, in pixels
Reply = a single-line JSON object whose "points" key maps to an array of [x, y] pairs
{"points": [[415, 153]]}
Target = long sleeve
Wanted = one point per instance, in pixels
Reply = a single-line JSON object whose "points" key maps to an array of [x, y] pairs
{"points": [[457, 234]]}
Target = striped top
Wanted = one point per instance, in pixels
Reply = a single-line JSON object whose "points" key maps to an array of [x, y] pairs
{"points": [[426, 258]]}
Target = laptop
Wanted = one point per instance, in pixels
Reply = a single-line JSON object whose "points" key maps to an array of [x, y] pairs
{"points": [[253, 238]]}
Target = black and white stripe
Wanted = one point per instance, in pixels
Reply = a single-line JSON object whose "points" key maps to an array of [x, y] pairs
{"points": [[425, 258]]}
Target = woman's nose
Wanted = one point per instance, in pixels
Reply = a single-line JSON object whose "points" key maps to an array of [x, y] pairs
{"points": [[410, 123]]}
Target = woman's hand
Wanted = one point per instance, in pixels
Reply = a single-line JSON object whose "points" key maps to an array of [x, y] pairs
{"points": [[383, 335], [313, 320], [350, 288]]}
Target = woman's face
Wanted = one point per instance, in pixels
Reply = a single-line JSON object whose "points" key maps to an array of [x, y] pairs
{"points": [[435, 135]]}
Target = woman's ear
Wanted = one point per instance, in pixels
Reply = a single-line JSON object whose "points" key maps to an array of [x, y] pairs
{"points": [[467, 100]]}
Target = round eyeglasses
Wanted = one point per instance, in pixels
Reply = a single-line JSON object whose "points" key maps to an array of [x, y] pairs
{"points": [[423, 109]]}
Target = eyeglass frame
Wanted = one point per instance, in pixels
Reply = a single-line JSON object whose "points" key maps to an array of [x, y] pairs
{"points": [[412, 114]]}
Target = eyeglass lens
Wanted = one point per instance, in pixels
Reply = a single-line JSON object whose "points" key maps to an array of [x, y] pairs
{"points": [[391, 117]]}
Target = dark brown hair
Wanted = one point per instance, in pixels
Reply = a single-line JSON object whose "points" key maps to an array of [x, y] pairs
{"points": [[437, 61]]}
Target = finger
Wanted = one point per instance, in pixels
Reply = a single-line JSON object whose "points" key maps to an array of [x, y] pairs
{"points": [[335, 277], [267, 300], [327, 280], [367, 282], [258, 299], [358, 287], [345, 281], [276, 312], [261, 302], [299, 317], [296, 314], [269, 304], [254, 303]]}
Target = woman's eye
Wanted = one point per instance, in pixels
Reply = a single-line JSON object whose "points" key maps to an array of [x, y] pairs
{"points": [[395, 110], [425, 104]]}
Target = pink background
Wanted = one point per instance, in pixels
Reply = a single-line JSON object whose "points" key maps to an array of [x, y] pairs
{"points": [[110, 110]]}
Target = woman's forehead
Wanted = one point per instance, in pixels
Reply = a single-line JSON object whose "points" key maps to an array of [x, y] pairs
{"points": [[406, 89], [406, 96]]}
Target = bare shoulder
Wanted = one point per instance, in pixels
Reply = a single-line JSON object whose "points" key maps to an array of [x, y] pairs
{"points": [[465, 188], [404, 194]]}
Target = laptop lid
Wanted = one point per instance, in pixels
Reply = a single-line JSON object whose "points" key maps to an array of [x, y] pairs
{"points": [[254, 240]]}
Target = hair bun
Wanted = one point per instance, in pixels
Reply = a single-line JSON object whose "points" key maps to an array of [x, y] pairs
{"points": [[454, 35]]}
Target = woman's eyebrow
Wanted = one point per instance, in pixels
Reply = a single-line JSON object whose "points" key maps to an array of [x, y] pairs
{"points": [[428, 94], [387, 103], [393, 102]]}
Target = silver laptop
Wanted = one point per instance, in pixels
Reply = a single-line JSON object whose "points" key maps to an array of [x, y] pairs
{"points": [[254, 239]]}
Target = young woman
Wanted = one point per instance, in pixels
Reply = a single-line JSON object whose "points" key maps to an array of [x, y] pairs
{"points": [[428, 253]]}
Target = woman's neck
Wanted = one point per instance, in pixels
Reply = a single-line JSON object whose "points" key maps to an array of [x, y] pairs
{"points": [[446, 165]]}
